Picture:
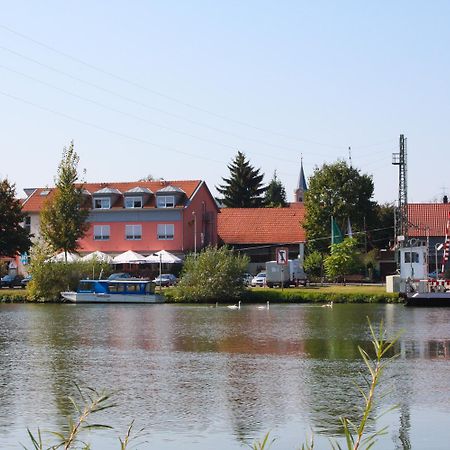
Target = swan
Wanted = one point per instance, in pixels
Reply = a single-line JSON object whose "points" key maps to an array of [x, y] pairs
{"points": [[328, 305], [264, 307], [238, 306]]}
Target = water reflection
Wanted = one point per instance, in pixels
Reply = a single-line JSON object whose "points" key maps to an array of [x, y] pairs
{"points": [[197, 373]]}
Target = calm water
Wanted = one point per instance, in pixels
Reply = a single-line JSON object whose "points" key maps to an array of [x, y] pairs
{"points": [[213, 378]]}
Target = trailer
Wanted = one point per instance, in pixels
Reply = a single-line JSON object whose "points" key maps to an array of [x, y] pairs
{"points": [[285, 275]]}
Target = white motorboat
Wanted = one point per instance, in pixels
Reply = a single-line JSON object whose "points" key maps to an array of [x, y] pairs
{"points": [[114, 291]]}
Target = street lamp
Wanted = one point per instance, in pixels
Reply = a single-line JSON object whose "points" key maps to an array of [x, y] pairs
{"points": [[195, 233], [437, 247]]}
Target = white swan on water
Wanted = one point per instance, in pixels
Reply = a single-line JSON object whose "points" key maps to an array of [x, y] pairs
{"points": [[264, 307], [328, 305], [238, 306]]}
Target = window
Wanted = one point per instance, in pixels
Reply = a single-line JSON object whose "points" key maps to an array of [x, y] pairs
{"points": [[133, 232], [133, 202], [27, 224], [101, 232], [102, 203], [411, 257], [165, 201], [165, 231]]}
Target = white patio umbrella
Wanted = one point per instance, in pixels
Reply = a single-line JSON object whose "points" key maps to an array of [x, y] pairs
{"points": [[163, 257], [129, 257], [60, 257], [98, 256]]}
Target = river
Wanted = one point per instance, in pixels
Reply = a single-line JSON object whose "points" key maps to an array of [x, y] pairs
{"points": [[207, 378]]}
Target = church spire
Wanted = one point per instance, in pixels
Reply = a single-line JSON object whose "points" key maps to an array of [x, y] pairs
{"points": [[301, 186]]}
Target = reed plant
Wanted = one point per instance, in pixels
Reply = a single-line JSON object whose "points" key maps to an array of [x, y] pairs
{"points": [[72, 438], [355, 435]]}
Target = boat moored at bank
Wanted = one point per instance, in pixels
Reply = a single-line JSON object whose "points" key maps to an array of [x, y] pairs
{"points": [[114, 291]]}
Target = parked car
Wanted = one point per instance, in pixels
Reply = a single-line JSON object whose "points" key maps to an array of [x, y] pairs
{"points": [[119, 276], [247, 278], [165, 279], [259, 280], [11, 281], [25, 281]]}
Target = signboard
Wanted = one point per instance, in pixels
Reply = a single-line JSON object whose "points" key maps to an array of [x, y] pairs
{"points": [[282, 255]]}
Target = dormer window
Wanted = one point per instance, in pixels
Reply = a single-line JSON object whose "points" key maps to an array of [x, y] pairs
{"points": [[165, 201], [102, 203], [133, 202]]}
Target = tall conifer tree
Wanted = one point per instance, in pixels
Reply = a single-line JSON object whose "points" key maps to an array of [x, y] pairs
{"points": [[275, 194], [244, 188]]}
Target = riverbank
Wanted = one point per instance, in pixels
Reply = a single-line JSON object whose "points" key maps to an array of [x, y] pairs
{"points": [[14, 296], [310, 294], [317, 294]]}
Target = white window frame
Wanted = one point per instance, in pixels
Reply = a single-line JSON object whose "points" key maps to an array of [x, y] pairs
{"points": [[133, 232], [102, 232], [130, 202], [165, 231], [165, 201], [105, 202]]}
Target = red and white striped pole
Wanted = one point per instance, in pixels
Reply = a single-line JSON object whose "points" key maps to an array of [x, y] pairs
{"points": [[446, 245]]}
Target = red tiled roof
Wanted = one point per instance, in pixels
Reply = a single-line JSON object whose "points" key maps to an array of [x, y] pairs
{"points": [[262, 225], [431, 215], [35, 201]]}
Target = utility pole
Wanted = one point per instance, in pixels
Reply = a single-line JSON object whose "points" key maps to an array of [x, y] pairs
{"points": [[400, 160]]}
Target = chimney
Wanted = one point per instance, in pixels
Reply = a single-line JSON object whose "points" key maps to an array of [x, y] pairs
{"points": [[445, 199]]}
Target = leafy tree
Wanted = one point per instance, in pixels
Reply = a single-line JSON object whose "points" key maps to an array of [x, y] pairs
{"points": [[343, 259], [243, 189], [276, 194], [214, 274], [63, 218], [14, 238], [381, 231], [313, 264], [340, 191]]}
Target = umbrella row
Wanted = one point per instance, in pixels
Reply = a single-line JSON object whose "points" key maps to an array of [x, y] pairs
{"points": [[128, 257]]}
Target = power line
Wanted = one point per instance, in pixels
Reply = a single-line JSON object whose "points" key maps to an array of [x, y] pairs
{"points": [[174, 99], [117, 133]]}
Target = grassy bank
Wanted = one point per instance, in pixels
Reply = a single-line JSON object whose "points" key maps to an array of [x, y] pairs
{"points": [[310, 294], [13, 295], [317, 294]]}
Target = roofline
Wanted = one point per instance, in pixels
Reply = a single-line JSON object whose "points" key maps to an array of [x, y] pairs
{"points": [[31, 195], [202, 182]]}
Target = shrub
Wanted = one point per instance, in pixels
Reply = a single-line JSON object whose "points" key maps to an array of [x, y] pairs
{"points": [[49, 279], [214, 274]]}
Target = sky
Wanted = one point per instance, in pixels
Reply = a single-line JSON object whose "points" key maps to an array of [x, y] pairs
{"points": [[173, 89]]}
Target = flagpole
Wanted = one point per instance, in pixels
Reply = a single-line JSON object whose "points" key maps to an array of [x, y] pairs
{"points": [[332, 231]]}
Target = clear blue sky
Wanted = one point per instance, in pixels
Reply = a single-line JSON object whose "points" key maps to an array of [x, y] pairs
{"points": [[175, 88]]}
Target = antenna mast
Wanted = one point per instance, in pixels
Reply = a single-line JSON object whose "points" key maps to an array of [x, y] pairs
{"points": [[400, 160]]}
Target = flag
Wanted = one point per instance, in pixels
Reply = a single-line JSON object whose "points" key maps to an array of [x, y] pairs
{"points": [[349, 228], [336, 234]]}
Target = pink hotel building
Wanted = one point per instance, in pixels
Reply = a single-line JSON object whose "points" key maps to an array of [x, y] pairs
{"points": [[144, 216]]}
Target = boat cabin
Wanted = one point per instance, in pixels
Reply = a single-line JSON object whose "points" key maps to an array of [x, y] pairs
{"points": [[127, 287]]}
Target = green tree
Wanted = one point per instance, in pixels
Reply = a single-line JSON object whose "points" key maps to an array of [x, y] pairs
{"points": [[381, 230], [340, 191], [63, 218], [14, 238], [276, 194], [214, 274], [343, 259], [313, 264], [243, 189]]}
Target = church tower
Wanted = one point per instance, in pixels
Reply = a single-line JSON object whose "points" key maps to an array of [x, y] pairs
{"points": [[299, 193]]}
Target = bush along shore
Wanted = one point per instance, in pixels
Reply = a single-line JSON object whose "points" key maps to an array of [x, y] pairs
{"points": [[14, 296]]}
